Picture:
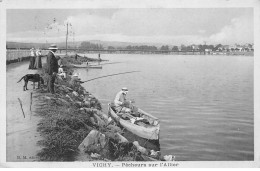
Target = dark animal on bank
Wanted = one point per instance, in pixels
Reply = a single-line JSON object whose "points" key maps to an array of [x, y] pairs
{"points": [[33, 78]]}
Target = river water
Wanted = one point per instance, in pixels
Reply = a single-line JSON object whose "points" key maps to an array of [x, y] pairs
{"points": [[205, 103]]}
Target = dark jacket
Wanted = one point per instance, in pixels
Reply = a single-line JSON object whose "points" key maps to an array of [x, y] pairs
{"points": [[52, 64]]}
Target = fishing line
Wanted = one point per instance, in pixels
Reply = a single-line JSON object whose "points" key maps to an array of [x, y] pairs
{"points": [[110, 75]]}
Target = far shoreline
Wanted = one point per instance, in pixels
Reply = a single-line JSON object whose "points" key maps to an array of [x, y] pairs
{"points": [[17, 57]]}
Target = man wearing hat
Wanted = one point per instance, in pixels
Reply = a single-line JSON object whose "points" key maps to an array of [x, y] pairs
{"points": [[121, 104], [52, 68], [75, 80]]}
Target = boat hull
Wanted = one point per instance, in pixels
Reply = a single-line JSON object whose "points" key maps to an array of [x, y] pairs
{"points": [[149, 133]]}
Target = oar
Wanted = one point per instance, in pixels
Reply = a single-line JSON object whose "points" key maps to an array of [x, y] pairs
{"points": [[109, 76]]}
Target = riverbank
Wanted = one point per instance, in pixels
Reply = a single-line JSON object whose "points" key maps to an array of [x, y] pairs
{"points": [[72, 118]]}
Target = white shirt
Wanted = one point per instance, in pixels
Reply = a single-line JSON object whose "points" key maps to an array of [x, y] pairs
{"points": [[38, 53], [60, 70], [120, 98], [52, 52], [32, 53]]}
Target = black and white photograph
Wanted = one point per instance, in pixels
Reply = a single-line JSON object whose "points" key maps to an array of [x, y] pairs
{"points": [[123, 84]]}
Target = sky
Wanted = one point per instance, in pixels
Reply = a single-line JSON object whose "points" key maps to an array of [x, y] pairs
{"points": [[167, 26]]}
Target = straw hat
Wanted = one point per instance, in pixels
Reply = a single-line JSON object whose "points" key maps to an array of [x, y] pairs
{"points": [[75, 75], [124, 89], [53, 46]]}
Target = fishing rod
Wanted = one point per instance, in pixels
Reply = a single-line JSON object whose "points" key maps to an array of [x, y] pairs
{"points": [[109, 76], [106, 63], [111, 63]]}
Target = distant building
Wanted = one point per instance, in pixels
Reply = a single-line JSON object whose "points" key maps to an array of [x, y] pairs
{"points": [[226, 48], [195, 47]]}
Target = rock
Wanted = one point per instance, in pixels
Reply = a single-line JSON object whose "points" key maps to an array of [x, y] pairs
{"points": [[69, 97], [114, 128], [121, 138], [78, 104], [92, 102], [94, 139], [95, 155], [47, 97], [103, 115], [155, 154], [75, 93], [102, 140], [169, 158], [92, 120], [110, 120], [100, 121], [86, 103], [64, 101], [140, 148], [85, 92], [89, 109]]}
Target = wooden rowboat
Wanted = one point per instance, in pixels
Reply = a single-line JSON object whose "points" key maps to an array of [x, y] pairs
{"points": [[147, 131], [87, 66]]}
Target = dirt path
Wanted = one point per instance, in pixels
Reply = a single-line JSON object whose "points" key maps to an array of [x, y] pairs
{"points": [[21, 134]]}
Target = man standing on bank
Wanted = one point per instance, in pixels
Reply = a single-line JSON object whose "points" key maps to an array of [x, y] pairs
{"points": [[52, 68]]}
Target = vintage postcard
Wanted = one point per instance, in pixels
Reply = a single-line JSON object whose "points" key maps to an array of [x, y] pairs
{"points": [[130, 84]]}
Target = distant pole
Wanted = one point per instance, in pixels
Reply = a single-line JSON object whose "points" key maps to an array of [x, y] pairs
{"points": [[67, 38], [74, 41]]}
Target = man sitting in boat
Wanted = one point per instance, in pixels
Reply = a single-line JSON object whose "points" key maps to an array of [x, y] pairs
{"points": [[122, 105]]}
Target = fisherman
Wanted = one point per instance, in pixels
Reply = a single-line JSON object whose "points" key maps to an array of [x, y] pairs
{"points": [[52, 68], [99, 59], [122, 105], [61, 72], [75, 80]]}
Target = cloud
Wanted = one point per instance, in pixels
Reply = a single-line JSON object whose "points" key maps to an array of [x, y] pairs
{"points": [[144, 26], [202, 31], [240, 30]]}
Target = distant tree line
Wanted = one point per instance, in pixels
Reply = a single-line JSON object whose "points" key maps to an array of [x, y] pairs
{"points": [[94, 46], [142, 47], [183, 48], [91, 46]]}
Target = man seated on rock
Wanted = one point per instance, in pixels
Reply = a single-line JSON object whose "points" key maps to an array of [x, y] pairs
{"points": [[75, 80], [61, 72]]}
